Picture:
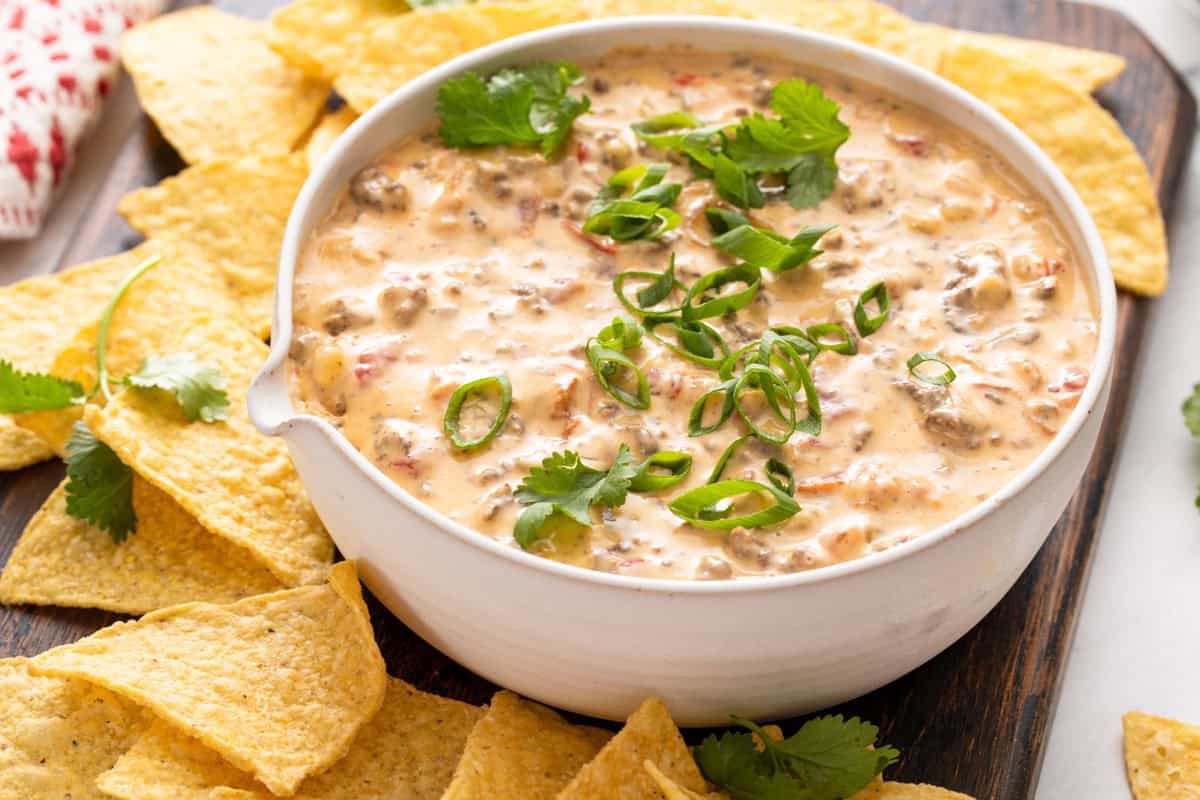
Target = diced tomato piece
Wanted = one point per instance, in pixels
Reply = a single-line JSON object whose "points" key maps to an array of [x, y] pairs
{"points": [[581, 152], [686, 79], [604, 245]]}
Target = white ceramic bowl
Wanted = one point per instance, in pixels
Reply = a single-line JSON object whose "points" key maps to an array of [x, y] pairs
{"points": [[598, 643]]}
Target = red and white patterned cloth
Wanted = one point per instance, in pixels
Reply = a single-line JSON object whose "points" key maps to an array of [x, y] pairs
{"points": [[58, 63]]}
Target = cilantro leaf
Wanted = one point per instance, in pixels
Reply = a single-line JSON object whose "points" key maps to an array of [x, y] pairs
{"points": [[811, 180], [99, 486], [197, 387], [32, 391], [519, 105], [1191, 411], [829, 758], [564, 484]]}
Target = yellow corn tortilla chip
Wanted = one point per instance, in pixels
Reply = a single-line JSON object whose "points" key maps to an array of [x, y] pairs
{"points": [[20, 447], [671, 790], [1088, 146], [1083, 69], [391, 51], [649, 735], [278, 684], [331, 126], [57, 736], [214, 87], [179, 293], [319, 36], [63, 561], [228, 213], [520, 750], [236, 482], [1162, 757], [408, 750]]}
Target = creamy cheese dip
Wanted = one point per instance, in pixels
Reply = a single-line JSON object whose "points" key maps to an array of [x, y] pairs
{"points": [[438, 266]]}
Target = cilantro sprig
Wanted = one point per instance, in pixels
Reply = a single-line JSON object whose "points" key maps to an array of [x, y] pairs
{"points": [[828, 758], [197, 387], [800, 144], [564, 485], [99, 485], [1191, 418], [527, 105]]}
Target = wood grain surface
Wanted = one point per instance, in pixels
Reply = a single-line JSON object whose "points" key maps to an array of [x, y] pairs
{"points": [[973, 719]]}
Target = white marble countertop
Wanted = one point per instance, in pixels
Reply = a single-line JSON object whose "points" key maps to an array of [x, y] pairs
{"points": [[1137, 645]]}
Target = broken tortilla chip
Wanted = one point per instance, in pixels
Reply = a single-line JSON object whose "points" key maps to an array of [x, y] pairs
{"points": [[214, 87], [238, 483], [179, 293], [408, 750], [228, 213], [1088, 146], [63, 561], [278, 684], [20, 447], [649, 735], [331, 126], [319, 36], [57, 735], [391, 51], [1162, 757], [520, 750]]}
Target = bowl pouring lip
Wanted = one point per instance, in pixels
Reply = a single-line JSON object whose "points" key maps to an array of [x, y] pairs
{"points": [[269, 395]]}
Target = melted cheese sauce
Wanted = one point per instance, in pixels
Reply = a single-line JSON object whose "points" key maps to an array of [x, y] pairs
{"points": [[439, 266]]}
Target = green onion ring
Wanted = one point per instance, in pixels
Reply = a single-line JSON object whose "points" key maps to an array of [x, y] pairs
{"points": [[719, 306], [677, 465], [780, 475], [719, 468], [605, 363], [846, 346], [773, 387], [868, 325], [696, 505], [654, 278], [461, 395], [943, 378], [694, 332], [696, 426]]}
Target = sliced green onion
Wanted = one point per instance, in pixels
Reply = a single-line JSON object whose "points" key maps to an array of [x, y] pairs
{"points": [[646, 214], [623, 334], [676, 464], [868, 325], [780, 475], [734, 184], [779, 399], [719, 468], [946, 376], [722, 220], [607, 364], [798, 339], [450, 423], [696, 506], [696, 340], [660, 287], [844, 340], [767, 249], [721, 304], [696, 426]]}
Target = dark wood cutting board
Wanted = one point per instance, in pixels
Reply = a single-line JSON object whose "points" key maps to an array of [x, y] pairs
{"points": [[976, 717]]}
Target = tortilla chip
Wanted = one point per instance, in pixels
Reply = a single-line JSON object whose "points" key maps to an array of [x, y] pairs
{"points": [[319, 36], [215, 89], [236, 482], [671, 790], [20, 447], [391, 51], [1088, 146], [179, 293], [331, 126], [230, 214], [408, 750], [57, 736], [1085, 70], [278, 684], [649, 735], [1162, 757], [520, 750], [170, 559]]}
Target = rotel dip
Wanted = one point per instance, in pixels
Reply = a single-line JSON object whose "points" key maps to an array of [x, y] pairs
{"points": [[438, 266]]}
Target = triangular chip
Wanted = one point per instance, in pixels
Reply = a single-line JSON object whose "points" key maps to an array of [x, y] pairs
{"points": [[278, 684], [235, 481], [230, 214], [392, 51], [20, 447], [63, 561], [216, 89], [520, 750], [57, 735], [1082, 69], [181, 292], [319, 36], [408, 750], [673, 791], [1088, 146], [331, 126], [1162, 757], [618, 771]]}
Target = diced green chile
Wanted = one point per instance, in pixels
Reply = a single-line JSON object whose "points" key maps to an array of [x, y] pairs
{"points": [[697, 506], [450, 422], [676, 464]]}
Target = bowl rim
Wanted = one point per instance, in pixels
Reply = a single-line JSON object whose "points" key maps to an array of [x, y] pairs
{"points": [[1002, 136]]}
